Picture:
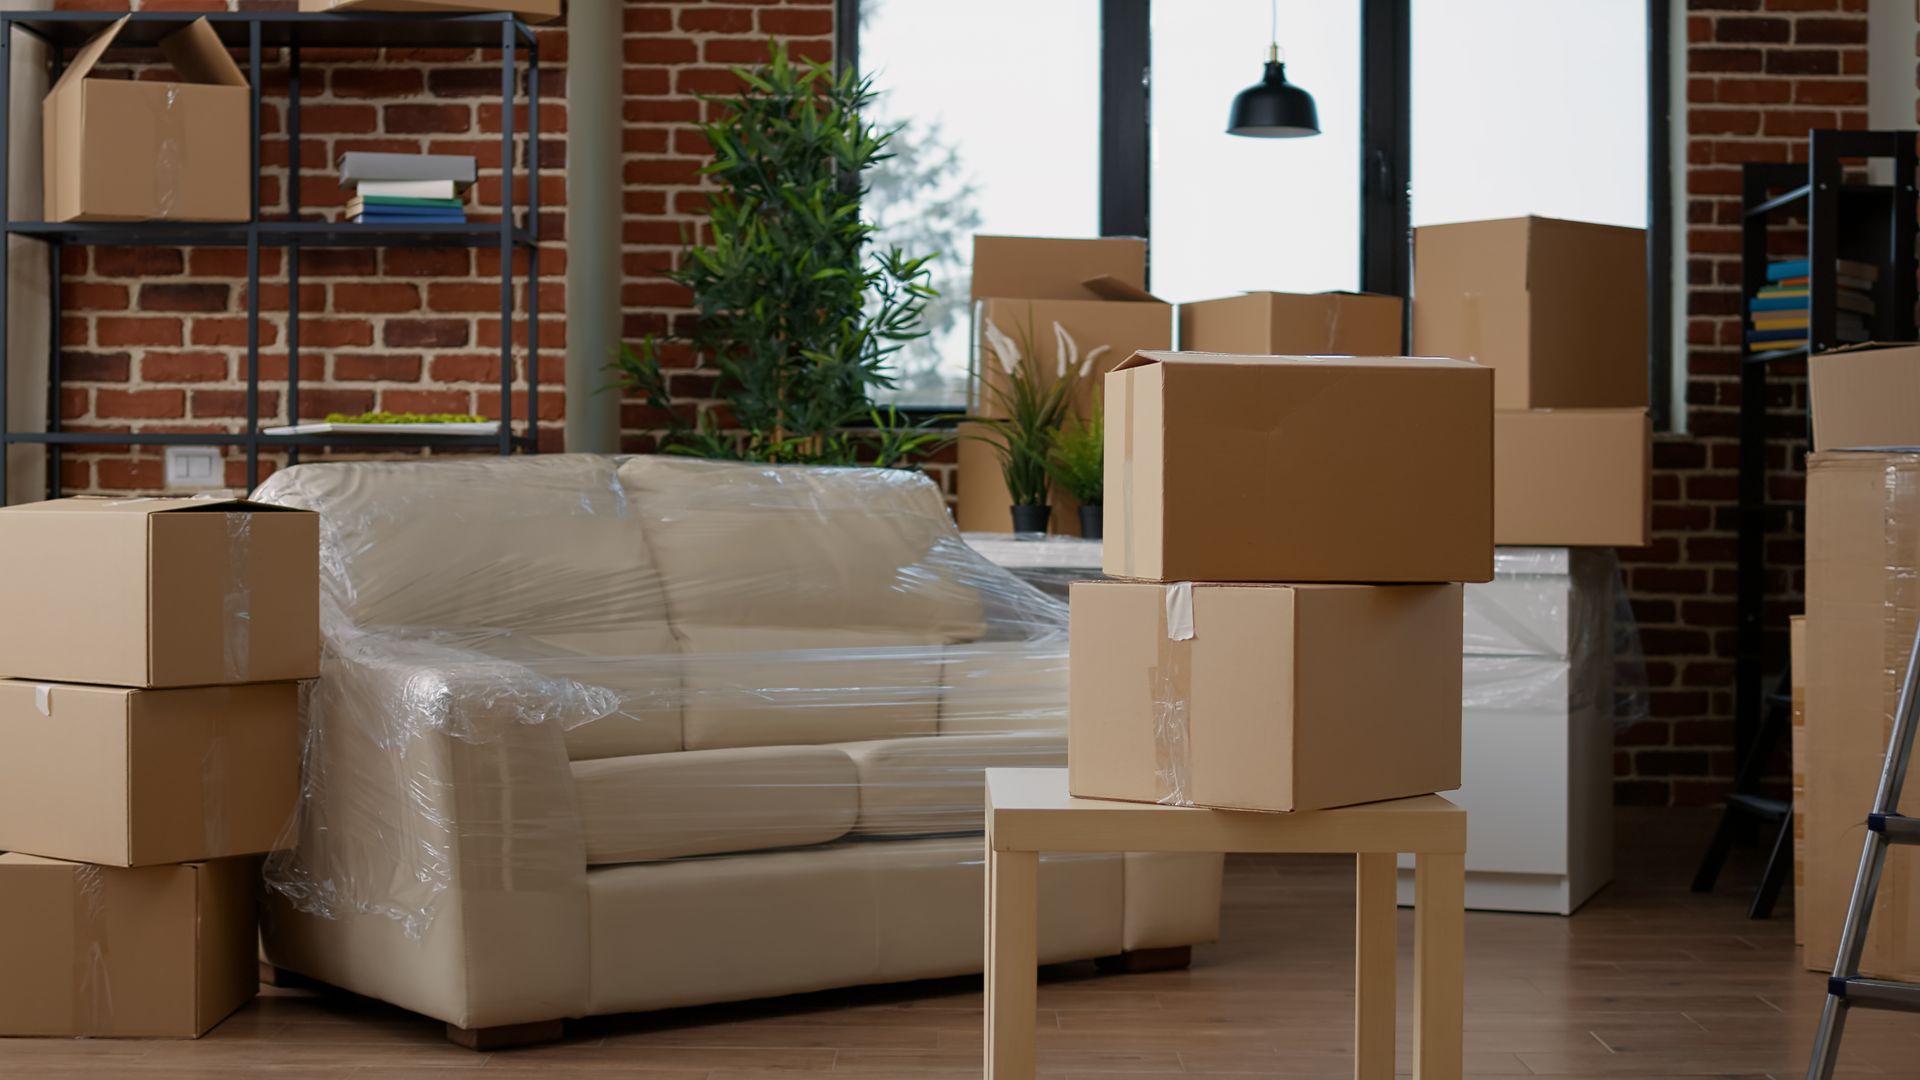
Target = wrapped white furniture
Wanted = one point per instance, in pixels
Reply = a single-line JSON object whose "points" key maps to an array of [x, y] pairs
{"points": [[597, 735], [1536, 726]]}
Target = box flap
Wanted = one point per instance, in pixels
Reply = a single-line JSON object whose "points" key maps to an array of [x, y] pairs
{"points": [[89, 55], [1868, 346], [1108, 287], [1201, 359], [1051, 268], [198, 56], [145, 505]]}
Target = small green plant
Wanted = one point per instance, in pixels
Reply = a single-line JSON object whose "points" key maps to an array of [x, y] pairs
{"points": [[382, 417], [1078, 462], [1025, 407]]}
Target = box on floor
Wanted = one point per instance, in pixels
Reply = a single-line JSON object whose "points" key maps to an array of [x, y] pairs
{"points": [[159, 592], [1865, 396], [95, 951], [1095, 290], [1289, 324], [124, 777], [1302, 469], [1557, 308], [1863, 601], [1263, 697], [141, 149], [1572, 477]]}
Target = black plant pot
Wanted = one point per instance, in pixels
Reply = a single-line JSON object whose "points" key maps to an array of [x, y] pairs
{"points": [[1091, 519], [1030, 519]]}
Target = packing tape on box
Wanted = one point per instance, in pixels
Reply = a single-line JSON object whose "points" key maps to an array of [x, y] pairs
{"points": [[92, 1002], [169, 160], [1170, 683], [1125, 400], [1330, 345], [43, 699], [237, 605]]}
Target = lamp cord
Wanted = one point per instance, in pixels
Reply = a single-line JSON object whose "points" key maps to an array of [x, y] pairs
{"points": [[1273, 32]]}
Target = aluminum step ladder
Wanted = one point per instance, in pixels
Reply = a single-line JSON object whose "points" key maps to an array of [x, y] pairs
{"points": [[1847, 988]]}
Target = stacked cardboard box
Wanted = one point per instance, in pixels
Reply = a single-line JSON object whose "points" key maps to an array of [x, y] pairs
{"points": [[1559, 310], [149, 753], [1294, 324], [1096, 291], [1245, 666]]}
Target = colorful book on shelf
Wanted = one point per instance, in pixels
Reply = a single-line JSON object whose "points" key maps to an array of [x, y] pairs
{"points": [[1775, 346], [1777, 303], [360, 166], [1790, 268], [1800, 282], [409, 216], [403, 201], [1800, 291], [409, 189], [1776, 335], [1769, 320], [1782, 272]]}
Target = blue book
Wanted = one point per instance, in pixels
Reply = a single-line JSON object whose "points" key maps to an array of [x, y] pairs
{"points": [[1777, 303], [1794, 334], [410, 218], [1789, 268]]}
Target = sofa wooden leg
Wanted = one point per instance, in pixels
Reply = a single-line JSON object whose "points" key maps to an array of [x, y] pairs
{"points": [[1140, 961], [507, 1036]]}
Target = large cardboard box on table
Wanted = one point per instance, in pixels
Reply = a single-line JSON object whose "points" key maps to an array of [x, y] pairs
{"points": [[531, 10], [1294, 324], [124, 777], [1263, 697], [1557, 308], [143, 149], [1299, 469], [159, 592], [1095, 290], [94, 951], [1572, 477], [1863, 600], [1866, 396]]}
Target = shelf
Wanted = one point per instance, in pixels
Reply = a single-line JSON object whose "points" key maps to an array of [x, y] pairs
{"points": [[232, 438], [271, 233], [358, 29], [1774, 356], [1784, 199]]}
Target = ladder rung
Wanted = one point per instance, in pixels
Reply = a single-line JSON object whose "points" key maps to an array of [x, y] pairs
{"points": [[1897, 828], [1876, 993]]}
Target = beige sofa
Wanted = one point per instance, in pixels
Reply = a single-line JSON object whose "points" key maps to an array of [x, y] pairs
{"points": [[598, 735]]}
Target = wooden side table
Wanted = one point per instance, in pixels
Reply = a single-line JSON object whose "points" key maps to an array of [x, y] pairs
{"points": [[1029, 811]]}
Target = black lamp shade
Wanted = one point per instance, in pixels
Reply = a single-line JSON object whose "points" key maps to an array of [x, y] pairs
{"points": [[1273, 108]]}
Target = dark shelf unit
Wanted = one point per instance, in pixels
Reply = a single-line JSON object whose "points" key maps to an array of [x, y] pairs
{"points": [[1863, 223], [255, 32]]}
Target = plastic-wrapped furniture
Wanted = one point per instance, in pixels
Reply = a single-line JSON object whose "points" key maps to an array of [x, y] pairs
{"points": [[597, 735]]}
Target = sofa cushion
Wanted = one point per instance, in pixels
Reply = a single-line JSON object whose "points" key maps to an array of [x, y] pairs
{"points": [[754, 686], [705, 802], [1005, 686], [922, 787]]}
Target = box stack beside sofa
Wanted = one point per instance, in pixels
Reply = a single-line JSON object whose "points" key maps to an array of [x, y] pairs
{"points": [[149, 754]]}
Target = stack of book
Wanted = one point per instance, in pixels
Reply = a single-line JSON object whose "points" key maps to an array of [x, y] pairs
{"points": [[1779, 311], [406, 189]]}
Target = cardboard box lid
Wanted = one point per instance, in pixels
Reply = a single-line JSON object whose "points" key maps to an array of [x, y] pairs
{"points": [[194, 51], [1050, 268], [1866, 396], [148, 505], [1178, 361], [1510, 254]]}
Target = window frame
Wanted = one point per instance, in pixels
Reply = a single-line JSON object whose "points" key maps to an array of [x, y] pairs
{"points": [[1385, 226]]}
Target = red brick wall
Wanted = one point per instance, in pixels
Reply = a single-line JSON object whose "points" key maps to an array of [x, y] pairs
{"points": [[1760, 75]]}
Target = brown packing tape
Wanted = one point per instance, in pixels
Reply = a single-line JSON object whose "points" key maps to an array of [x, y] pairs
{"points": [[1170, 684], [1124, 400], [92, 1003], [237, 604], [1331, 344], [169, 164]]}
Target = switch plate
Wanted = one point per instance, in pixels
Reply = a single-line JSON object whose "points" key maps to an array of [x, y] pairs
{"points": [[195, 468]]}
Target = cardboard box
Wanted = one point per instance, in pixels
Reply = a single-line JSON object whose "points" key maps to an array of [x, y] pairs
{"points": [[1797, 675], [94, 951], [1572, 477], [159, 592], [1866, 396], [125, 777], [1290, 324], [535, 11], [141, 149], [1863, 600], [1287, 468], [1095, 290], [1263, 697], [1558, 308]]}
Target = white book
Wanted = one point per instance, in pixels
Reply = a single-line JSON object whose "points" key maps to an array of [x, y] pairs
{"points": [[408, 189]]}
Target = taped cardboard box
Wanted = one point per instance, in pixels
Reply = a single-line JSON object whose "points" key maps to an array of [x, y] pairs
{"points": [[1797, 716], [141, 149], [1572, 477], [95, 951], [1094, 290], [159, 592], [1283, 324], [537, 11], [125, 777], [1263, 697], [1863, 600], [1866, 396], [1557, 308], [1288, 468]]}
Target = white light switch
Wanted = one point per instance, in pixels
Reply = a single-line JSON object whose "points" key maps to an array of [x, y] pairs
{"points": [[194, 467]]}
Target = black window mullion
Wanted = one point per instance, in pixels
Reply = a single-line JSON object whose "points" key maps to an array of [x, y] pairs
{"points": [[1126, 153], [1386, 125]]}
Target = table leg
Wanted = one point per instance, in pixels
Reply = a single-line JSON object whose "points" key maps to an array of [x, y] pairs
{"points": [[1374, 947], [1011, 961], [1439, 965]]}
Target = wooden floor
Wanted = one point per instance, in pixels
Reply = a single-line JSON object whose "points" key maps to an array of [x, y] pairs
{"points": [[1647, 981]]}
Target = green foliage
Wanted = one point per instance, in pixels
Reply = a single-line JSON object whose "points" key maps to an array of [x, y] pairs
{"points": [[1025, 410], [797, 318], [404, 418], [1078, 462]]}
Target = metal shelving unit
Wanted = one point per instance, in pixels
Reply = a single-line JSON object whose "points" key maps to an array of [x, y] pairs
{"points": [[256, 32]]}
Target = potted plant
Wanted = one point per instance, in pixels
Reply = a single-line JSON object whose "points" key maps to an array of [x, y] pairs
{"points": [[1024, 409], [1078, 464], [797, 318]]}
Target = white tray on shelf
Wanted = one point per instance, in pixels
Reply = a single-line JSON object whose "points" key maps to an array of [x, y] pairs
{"points": [[482, 427]]}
